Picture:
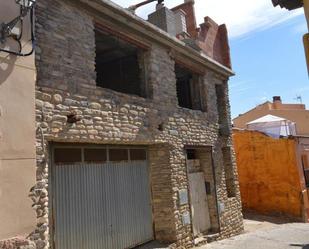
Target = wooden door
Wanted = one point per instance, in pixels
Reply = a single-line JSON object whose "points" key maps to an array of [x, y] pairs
{"points": [[199, 204]]}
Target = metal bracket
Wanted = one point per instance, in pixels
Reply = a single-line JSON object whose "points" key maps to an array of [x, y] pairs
{"points": [[6, 28], [3, 32]]}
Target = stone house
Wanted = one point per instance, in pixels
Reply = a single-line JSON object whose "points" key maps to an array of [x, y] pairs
{"points": [[133, 130]]}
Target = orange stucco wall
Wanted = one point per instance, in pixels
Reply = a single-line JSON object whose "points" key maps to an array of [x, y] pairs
{"points": [[268, 174]]}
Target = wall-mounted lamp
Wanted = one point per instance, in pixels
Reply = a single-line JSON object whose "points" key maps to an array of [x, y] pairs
{"points": [[26, 6], [25, 3]]}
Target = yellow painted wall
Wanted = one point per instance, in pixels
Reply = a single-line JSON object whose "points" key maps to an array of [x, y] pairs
{"points": [[268, 174]]}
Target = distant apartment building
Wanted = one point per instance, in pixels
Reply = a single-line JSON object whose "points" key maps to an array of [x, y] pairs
{"points": [[296, 113]]}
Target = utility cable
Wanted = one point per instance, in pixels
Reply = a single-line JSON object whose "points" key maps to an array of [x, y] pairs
{"points": [[18, 39]]}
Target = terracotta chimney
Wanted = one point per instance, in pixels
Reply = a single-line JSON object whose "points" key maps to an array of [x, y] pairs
{"points": [[188, 8], [277, 99], [277, 102]]}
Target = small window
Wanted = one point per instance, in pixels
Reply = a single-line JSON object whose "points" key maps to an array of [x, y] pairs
{"points": [[119, 65], [95, 155], [67, 155], [138, 155], [188, 89], [191, 154], [118, 155]]}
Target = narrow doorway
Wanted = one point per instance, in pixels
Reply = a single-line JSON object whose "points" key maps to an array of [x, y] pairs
{"points": [[199, 204]]}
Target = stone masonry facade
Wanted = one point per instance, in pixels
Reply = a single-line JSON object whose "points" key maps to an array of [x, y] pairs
{"points": [[66, 85]]}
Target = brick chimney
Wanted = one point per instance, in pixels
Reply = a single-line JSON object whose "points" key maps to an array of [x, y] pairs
{"points": [[277, 102], [188, 8], [277, 99], [163, 18], [213, 39]]}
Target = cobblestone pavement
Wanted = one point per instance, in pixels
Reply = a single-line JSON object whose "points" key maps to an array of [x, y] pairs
{"points": [[267, 235]]}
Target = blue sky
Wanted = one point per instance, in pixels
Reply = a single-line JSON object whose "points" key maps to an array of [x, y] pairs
{"points": [[266, 47], [268, 63]]}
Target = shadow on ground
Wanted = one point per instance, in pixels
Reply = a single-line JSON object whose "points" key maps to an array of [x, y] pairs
{"points": [[152, 245], [300, 245], [271, 219]]}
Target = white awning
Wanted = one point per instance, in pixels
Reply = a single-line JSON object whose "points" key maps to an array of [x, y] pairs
{"points": [[273, 126], [267, 119]]}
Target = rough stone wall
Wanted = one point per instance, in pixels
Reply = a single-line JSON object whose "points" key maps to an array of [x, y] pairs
{"points": [[66, 85], [161, 187], [17, 243], [229, 208]]}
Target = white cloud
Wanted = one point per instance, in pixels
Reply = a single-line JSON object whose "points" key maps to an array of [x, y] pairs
{"points": [[241, 16]]}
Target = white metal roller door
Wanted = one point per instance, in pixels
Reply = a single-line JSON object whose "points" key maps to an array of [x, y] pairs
{"points": [[103, 205]]}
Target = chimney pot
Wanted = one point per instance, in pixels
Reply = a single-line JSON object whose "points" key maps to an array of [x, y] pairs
{"points": [[277, 99]]}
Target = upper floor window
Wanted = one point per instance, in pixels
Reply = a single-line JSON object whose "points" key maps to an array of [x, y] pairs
{"points": [[119, 64], [189, 89]]}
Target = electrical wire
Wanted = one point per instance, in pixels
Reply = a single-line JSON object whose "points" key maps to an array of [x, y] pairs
{"points": [[18, 39]]}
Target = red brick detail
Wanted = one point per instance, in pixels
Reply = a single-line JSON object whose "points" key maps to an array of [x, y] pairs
{"points": [[190, 17], [211, 37], [213, 40]]}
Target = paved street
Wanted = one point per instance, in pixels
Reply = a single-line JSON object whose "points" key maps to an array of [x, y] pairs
{"points": [[261, 232], [267, 235]]}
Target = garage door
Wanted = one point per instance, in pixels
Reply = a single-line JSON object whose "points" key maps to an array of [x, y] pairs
{"points": [[101, 198]]}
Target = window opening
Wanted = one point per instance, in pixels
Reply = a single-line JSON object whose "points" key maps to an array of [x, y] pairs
{"points": [[191, 154], [67, 155], [119, 65], [118, 155], [188, 88], [95, 155], [193, 161], [138, 155]]}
